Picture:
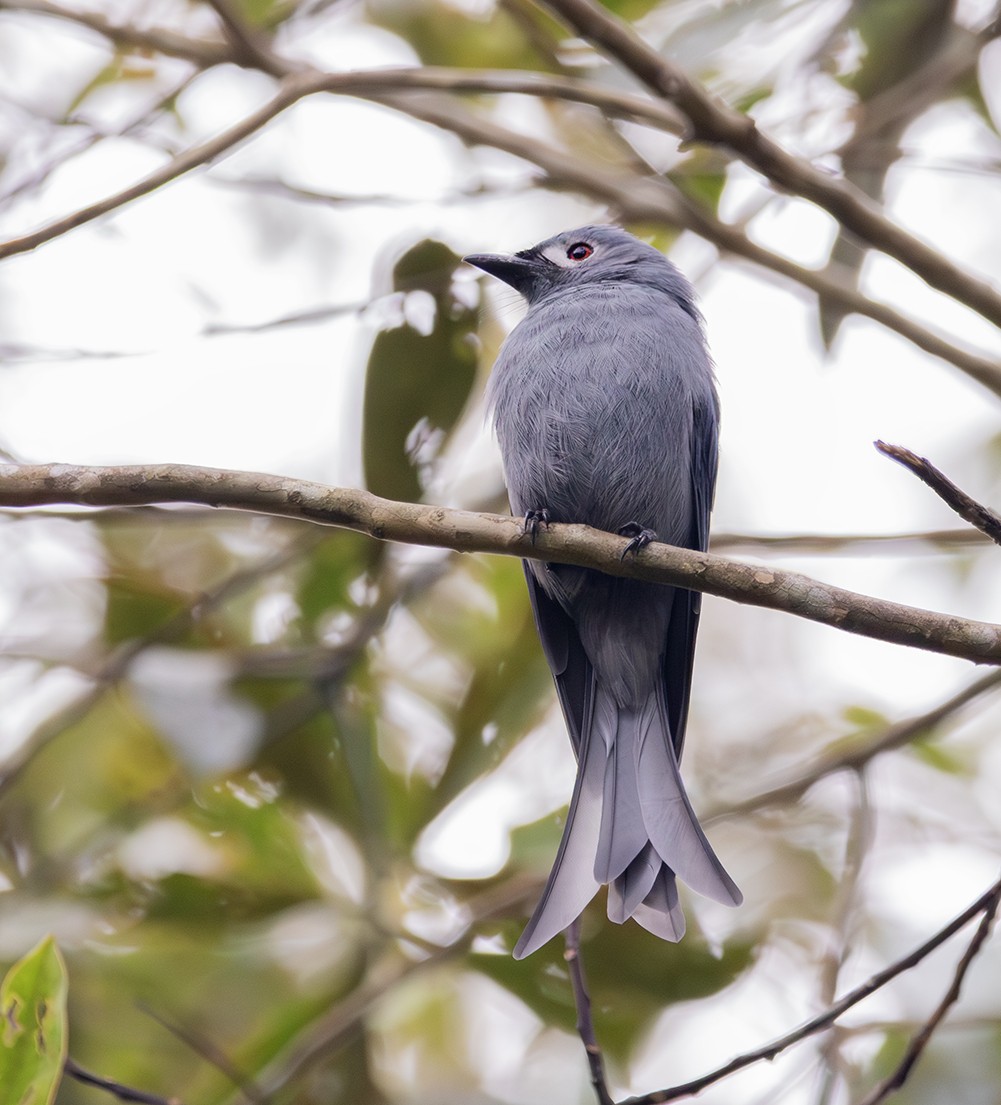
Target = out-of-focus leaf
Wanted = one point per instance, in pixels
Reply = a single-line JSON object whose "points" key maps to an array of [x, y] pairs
{"points": [[510, 682], [328, 573], [33, 1033], [510, 35], [245, 815], [420, 374], [864, 718], [631, 974], [898, 37], [122, 67], [941, 758], [702, 176], [134, 611]]}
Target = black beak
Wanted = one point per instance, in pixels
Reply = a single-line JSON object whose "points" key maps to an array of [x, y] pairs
{"points": [[519, 270]]}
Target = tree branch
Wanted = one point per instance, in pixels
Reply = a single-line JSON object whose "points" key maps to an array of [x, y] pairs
{"points": [[464, 531], [655, 200], [855, 759], [637, 199], [954, 497], [201, 52], [293, 88], [585, 1024], [986, 902], [920, 1040], [713, 121], [116, 1089]]}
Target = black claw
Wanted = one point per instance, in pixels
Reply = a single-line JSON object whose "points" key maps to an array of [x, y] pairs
{"points": [[534, 520], [640, 537]]}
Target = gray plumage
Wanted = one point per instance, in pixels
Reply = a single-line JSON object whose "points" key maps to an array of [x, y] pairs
{"points": [[605, 406]]}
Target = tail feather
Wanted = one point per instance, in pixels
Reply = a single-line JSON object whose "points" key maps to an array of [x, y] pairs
{"points": [[634, 885], [623, 835], [571, 884], [661, 911], [630, 825], [674, 829]]}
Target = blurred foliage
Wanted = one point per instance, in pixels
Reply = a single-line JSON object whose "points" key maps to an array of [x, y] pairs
{"points": [[420, 374], [252, 791]]}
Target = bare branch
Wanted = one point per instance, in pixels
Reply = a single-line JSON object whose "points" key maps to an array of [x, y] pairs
{"points": [[201, 52], [656, 200], [292, 89], [464, 531], [116, 1089], [854, 759], [652, 200], [252, 48], [851, 544], [954, 497], [715, 122], [920, 1041], [985, 902], [585, 1024]]}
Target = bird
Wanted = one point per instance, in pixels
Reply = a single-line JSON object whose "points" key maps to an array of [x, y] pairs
{"points": [[604, 402]]}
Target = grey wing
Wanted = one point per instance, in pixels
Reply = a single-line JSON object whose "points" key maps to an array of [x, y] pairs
{"points": [[679, 653], [565, 655]]}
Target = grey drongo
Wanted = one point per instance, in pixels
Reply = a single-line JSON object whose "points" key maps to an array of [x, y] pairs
{"points": [[605, 406]]}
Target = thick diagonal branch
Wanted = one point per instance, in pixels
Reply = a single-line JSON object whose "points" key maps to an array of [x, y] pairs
{"points": [[711, 120]]}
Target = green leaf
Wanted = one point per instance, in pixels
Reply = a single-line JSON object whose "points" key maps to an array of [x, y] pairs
{"points": [[134, 611], [34, 1029], [702, 175], [328, 573], [935, 755], [417, 382]]}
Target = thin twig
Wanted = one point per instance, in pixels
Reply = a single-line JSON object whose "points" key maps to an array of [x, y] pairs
{"points": [[585, 1023], [126, 36], [859, 839], [850, 544], [920, 1041], [854, 759], [465, 531], [206, 1050], [982, 517], [829, 1016], [293, 88], [117, 1089], [251, 47], [713, 121]]}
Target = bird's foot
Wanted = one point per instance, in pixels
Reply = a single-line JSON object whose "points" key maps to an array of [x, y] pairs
{"points": [[535, 520], [639, 536]]}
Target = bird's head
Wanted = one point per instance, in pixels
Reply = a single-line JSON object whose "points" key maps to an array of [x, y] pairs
{"points": [[587, 255]]}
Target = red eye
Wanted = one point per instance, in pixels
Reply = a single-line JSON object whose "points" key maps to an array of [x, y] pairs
{"points": [[579, 251]]}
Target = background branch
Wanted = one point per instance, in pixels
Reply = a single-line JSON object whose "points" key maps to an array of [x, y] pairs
{"points": [[954, 497], [987, 901], [713, 121], [917, 1045]]}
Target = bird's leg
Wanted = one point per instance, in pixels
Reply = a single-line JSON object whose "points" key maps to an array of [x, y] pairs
{"points": [[640, 537], [533, 521]]}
